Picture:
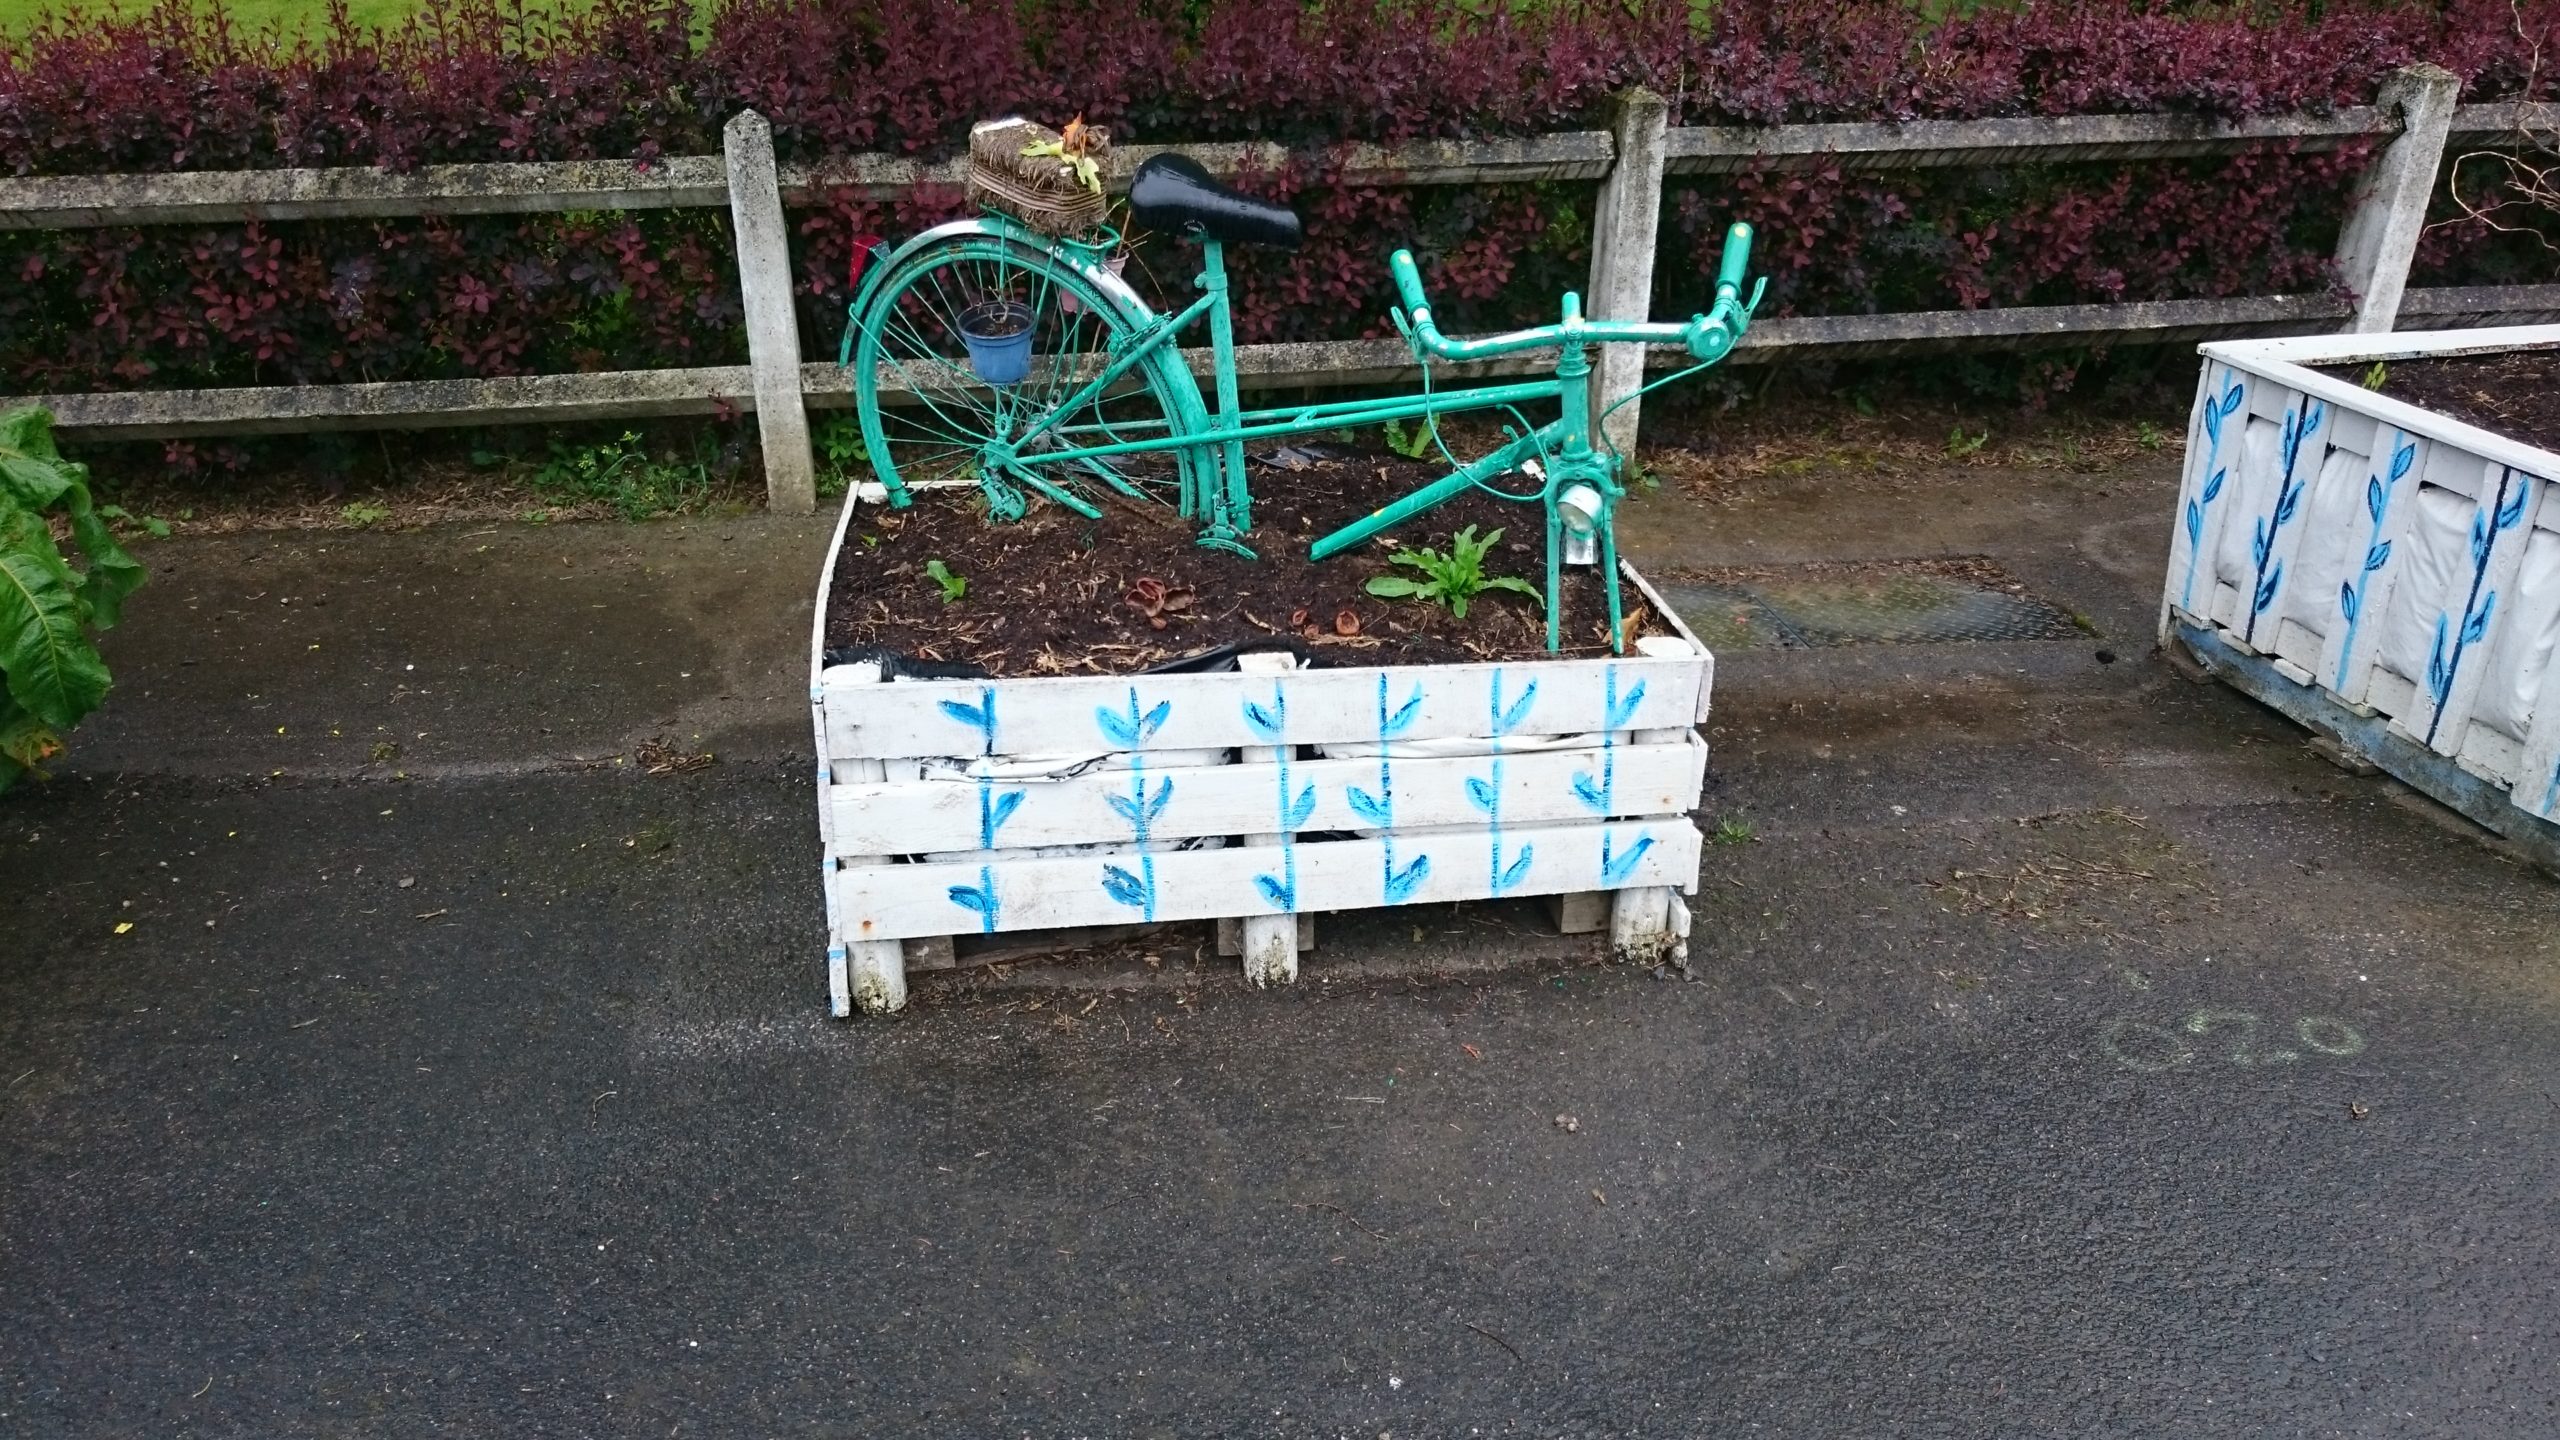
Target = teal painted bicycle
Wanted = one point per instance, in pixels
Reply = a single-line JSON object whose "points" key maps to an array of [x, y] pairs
{"points": [[987, 353]]}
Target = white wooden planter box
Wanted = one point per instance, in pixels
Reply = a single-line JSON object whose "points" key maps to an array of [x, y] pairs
{"points": [[981, 806], [2382, 573]]}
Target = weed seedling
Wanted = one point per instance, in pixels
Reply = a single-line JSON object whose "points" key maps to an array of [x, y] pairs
{"points": [[1735, 830], [1453, 580], [1959, 444], [2377, 377], [1414, 444], [361, 515], [953, 586]]}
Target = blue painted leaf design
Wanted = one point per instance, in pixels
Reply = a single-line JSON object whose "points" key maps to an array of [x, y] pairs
{"points": [[2213, 486], [2403, 458], [1265, 723], [1401, 883], [1481, 793], [1625, 708], [2258, 542], [1274, 892], [1116, 728], [1300, 809], [1518, 869], [2266, 595], [2478, 625], [2439, 678], [2480, 540], [2347, 601], [1367, 806], [1124, 887], [2195, 523], [1619, 867], [1155, 718], [1587, 790], [1402, 720], [2511, 512], [1125, 807], [966, 714], [2377, 557], [1164, 797], [970, 897], [1002, 809], [2373, 497], [2231, 399], [2288, 500], [1519, 710]]}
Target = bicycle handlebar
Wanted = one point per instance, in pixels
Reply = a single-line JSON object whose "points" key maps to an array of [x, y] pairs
{"points": [[1708, 337]]}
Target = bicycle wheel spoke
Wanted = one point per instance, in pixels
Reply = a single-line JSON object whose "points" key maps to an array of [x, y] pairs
{"points": [[929, 415]]}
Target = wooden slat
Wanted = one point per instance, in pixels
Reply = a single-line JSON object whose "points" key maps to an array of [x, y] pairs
{"points": [[2346, 656], [1084, 715], [1924, 144], [397, 404], [61, 202], [933, 816], [2483, 126], [2451, 723], [890, 902]]}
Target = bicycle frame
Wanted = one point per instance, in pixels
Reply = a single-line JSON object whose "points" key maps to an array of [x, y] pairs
{"points": [[1220, 499]]}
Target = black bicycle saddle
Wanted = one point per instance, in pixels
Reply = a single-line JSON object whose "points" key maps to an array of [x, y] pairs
{"points": [[1171, 192]]}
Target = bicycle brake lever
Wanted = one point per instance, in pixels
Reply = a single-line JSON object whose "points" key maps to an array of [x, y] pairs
{"points": [[1411, 342]]}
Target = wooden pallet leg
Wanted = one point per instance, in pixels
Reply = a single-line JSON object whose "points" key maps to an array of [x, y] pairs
{"points": [[1582, 912], [1231, 936], [1648, 925], [877, 975]]}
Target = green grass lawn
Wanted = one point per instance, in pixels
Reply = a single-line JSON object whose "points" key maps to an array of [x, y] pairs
{"points": [[254, 17]]}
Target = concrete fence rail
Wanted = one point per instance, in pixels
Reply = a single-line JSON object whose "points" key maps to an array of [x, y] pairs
{"points": [[2415, 117]]}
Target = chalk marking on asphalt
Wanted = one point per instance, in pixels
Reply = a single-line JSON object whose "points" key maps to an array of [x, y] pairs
{"points": [[2146, 1048]]}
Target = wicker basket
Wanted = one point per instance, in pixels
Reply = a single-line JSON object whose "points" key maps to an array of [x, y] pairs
{"points": [[1039, 192]]}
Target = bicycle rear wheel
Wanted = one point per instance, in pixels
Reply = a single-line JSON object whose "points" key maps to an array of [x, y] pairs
{"points": [[944, 402]]}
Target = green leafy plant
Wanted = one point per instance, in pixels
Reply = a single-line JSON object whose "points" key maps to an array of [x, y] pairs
{"points": [[153, 525], [2149, 436], [361, 515], [840, 448], [50, 672], [1413, 444], [2378, 376], [953, 586], [1453, 580], [1959, 444], [1073, 152], [1734, 830], [625, 476]]}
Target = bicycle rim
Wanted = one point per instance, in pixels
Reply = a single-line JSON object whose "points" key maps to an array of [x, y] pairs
{"points": [[929, 417]]}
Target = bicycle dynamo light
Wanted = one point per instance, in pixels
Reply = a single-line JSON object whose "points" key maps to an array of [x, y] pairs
{"points": [[1579, 506]]}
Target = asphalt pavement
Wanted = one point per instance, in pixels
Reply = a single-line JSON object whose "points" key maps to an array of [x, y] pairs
{"points": [[2067, 1053]]}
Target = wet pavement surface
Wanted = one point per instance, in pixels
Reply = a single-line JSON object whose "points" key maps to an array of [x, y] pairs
{"points": [[2067, 1052]]}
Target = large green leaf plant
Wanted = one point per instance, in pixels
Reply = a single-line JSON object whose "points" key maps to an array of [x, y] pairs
{"points": [[50, 673]]}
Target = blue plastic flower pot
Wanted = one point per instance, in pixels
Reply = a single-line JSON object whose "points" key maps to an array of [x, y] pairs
{"points": [[998, 334]]}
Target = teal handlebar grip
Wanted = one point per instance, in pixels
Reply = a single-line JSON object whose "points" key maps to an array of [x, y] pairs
{"points": [[1737, 258], [1408, 280]]}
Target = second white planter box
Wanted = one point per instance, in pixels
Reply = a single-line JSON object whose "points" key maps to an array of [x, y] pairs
{"points": [[2383, 573]]}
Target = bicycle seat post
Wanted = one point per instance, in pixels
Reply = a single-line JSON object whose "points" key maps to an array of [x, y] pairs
{"points": [[1230, 509]]}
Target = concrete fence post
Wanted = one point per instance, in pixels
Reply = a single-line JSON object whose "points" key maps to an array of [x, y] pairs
{"points": [[2389, 206], [1623, 227], [773, 329]]}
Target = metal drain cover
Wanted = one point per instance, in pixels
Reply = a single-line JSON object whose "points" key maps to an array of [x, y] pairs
{"points": [[1929, 604]]}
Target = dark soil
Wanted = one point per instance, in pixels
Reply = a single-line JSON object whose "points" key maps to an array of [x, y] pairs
{"points": [[1055, 593], [2516, 394]]}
